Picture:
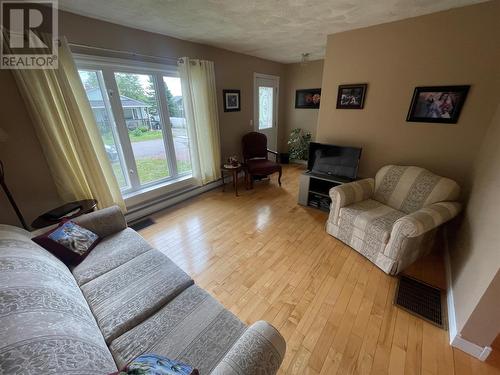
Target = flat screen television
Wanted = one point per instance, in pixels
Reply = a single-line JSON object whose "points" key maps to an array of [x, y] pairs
{"points": [[335, 161]]}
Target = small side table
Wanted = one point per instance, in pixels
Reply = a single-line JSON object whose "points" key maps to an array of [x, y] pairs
{"points": [[84, 207], [234, 171]]}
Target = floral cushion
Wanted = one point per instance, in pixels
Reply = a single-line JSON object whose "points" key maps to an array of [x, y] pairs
{"points": [[152, 364], [69, 242]]}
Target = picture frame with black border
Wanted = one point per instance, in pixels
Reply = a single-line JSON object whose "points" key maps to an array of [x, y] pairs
{"points": [[232, 100], [308, 98], [437, 104], [351, 96]]}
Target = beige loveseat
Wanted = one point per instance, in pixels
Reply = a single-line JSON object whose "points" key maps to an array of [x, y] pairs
{"points": [[125, 299], [392, 219]]}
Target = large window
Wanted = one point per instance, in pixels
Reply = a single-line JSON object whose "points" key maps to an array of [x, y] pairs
{"points": [[140, 114]]}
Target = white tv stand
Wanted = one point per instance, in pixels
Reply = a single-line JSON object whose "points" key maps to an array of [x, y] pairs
{"points": [[314, 189]]}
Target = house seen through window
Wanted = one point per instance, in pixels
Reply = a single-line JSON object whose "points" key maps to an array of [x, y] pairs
{"points": [[140, 116]]}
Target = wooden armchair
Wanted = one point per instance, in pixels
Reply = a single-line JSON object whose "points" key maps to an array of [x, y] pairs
{"points": [[255, 157]]}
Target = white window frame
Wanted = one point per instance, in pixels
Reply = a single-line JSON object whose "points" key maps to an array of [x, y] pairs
{"points": [[109, 66]]}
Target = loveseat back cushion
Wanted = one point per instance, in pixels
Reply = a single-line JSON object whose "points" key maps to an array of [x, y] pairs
{"points": [[46, 324], [409, 188]]}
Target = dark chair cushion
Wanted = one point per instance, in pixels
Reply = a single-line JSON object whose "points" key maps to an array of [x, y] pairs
{"points": [[254, 145], [262, 167]]}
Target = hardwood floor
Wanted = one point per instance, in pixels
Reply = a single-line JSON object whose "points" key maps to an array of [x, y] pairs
{"points": [[265, 257], [494, 357]]}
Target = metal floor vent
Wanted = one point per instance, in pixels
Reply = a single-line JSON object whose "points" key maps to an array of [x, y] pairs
{"points": [[421, 299], [141, 224]]}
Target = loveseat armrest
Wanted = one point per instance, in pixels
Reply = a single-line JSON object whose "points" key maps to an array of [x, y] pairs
{"points": [[346, 194], [103, 222], [260, 350], [425, 219]]}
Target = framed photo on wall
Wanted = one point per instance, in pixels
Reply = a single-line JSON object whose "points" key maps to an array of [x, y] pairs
{"points": [[351, 96], [307, 98], [438, 104], [231, 100]]}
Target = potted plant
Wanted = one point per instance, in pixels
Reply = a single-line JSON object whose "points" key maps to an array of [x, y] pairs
{"points": [[298, 145]]}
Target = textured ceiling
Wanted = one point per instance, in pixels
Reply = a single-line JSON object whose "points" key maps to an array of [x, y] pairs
{"points": [[279, 30]]}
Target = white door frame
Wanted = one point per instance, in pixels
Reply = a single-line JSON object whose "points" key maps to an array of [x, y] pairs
{"points": [[255, 104]]}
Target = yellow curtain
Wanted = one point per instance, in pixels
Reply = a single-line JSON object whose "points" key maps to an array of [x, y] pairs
{"points": [[200, 102], [67, 132]]}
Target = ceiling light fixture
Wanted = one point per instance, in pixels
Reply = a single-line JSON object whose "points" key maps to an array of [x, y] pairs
{"points": [[304, 59]]}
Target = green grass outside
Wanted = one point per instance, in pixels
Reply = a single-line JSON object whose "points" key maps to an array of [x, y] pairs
{"points": [[146, 136], [150, 170], [183, 166], [117, 170]]}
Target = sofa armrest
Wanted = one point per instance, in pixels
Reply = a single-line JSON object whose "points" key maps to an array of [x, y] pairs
{"points": [[103, 222], [260, 350], [346, 194], [425, 219]]}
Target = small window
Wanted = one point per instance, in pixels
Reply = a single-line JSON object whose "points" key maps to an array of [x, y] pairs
{"points": [[265, 107]]}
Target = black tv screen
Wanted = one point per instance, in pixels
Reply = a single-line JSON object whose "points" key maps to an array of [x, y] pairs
{"points": [[333, 160]]}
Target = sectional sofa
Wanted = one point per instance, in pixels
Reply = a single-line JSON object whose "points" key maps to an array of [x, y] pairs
{"points": [[123, 300]]}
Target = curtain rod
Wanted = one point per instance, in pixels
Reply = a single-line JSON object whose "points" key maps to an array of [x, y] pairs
{"points": [[123, 52]]}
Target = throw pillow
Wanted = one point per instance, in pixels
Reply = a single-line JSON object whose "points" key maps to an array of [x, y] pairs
{"points": [[69, 242], [152, 364]]}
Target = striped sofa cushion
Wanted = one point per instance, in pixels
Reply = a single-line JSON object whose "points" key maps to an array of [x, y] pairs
{"points": [[408, 188], [111, 252], [127, 295], [46, 324], [369, 218], [193, 328]]}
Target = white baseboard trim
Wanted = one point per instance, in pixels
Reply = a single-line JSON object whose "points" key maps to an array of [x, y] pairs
{"points": [[479, 352], [136, 213], [452, 322], [456, 340], [485, 353]]}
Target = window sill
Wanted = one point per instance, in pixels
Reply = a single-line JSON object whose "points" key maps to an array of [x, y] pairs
{"points": [[150, 193], [167, 200]]}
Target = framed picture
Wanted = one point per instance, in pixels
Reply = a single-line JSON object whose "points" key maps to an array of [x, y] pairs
{"points": [[231, 100], [351, 96], [308, 98], [437, 104]]}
